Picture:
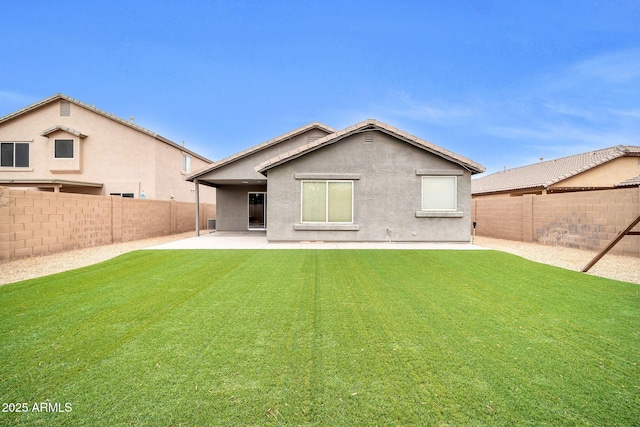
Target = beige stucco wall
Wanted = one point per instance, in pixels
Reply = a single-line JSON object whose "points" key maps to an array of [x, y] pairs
{"points": [[606, 175], [122, 159]]}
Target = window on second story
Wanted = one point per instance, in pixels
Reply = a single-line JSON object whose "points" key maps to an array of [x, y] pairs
{"points": [[186, 163], [64, 148], [14, 154]]}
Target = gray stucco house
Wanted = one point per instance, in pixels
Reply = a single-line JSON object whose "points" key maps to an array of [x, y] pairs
{"points": [[368, 182]]}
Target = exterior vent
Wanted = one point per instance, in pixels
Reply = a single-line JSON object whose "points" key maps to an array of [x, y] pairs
{"points": [[211, 224], [368, 138], [311, 139], [65, 109]]}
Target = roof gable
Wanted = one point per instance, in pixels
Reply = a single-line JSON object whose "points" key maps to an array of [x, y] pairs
{"points": [[545, 174], [367, 125], [110, 116], [257, 148]]}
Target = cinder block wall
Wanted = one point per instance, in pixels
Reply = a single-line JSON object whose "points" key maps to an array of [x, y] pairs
{"points": [[585, 220], [39, 223]]}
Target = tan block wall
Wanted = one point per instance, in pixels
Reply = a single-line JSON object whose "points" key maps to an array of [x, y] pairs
{"points": [[39, 223], [585, 220], [500, 218]]}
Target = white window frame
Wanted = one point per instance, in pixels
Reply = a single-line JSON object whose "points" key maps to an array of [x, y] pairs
{"points": [[14, 154], [73, 147], [186, 163], [455, 193], [326, 206], [264, 207]]}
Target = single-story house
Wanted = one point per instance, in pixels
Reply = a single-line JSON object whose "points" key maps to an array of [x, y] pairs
{"points": [[368, 182], [613, 167]]}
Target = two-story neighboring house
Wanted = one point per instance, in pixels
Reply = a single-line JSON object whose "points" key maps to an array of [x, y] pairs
{"points": [[62, 144]]}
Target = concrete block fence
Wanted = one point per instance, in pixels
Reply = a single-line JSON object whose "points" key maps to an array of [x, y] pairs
{"points": [[40, 223], [585, 220]]}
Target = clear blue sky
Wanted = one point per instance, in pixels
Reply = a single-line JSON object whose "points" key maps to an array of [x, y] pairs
{"points": [[501, 82]]}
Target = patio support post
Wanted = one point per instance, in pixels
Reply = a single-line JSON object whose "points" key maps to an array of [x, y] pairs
{"points": [[195, 182]]}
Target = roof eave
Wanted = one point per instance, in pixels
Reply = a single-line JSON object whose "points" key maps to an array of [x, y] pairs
{"points": [[60, 96], [262, 146], [369, 125]]}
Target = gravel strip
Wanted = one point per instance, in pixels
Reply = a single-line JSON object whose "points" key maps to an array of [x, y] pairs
{"points": [[617, 267], [38, 266], [625, 268]]}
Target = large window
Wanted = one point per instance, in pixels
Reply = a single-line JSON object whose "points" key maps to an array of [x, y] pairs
{"points": [[327, 201], [439, 193], [64, 148], [14, 154]]}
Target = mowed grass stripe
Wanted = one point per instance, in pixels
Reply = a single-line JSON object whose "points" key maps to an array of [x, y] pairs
{"points": [[322, 337]]}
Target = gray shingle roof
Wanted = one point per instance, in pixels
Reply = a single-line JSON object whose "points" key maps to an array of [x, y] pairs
{"points": [[545, 174], [372, 124]]}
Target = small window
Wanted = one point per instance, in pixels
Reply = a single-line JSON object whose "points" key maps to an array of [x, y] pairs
{"points": [[63, 148], [14, 154], [65, 109], [125, 195], [186, 163], [439, 193], [327, 201]]}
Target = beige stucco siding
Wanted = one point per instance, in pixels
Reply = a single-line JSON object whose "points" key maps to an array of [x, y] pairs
{"points": [[606, 175], [121, 158]]}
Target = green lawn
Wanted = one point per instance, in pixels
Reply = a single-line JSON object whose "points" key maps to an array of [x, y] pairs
{"points": [[323, 338]]}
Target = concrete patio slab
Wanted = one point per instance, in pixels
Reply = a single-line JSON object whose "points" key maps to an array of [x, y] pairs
{"points": [[258, 240]]}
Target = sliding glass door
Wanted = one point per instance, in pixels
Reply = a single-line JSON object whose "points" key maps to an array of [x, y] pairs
{"points": [[257, 211]]}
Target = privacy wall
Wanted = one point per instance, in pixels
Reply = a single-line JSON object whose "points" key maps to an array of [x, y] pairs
{"points": [[584, 220], [39, 223]]}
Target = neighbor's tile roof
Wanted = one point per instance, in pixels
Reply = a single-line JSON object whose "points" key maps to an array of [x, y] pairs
{"points": [[545, 174], [371, 124], [262, 146], [631, 182], [111, 116]]}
